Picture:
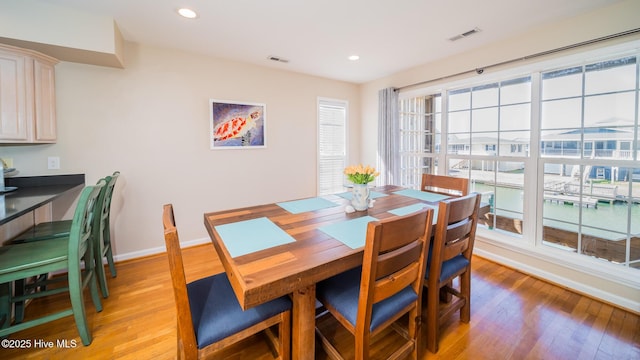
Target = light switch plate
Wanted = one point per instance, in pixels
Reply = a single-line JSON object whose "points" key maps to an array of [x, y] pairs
{"points": [[53, 163]]}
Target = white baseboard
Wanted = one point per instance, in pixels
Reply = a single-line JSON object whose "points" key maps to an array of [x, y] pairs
{"points": [[158, 250], [579, 287]]}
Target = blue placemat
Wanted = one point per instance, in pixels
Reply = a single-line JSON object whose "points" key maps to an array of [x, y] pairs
{"points": [[422, 195], [352, 233], [244, 237], [304, 205], [373, 195], [406, 210]]}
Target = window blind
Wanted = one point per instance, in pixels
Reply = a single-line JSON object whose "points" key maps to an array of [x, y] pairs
{"points": [[332, 129]]}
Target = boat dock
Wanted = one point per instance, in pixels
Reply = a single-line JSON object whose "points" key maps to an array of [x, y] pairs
{"points": [[571, 200]]}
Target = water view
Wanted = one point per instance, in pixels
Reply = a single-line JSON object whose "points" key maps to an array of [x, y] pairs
{"points": [[607, 220], [606, 224]]}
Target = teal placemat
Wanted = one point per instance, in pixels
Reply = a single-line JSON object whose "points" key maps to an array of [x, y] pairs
{"points": [[304, 205], [352, 233], [406, 210], [244, 237], [422, 195], [373, 194]]}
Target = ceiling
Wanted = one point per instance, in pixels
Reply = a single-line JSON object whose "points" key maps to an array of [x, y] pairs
{"points": [[317, 37]]}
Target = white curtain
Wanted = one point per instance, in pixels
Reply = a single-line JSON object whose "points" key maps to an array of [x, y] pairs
{"points": [[388, 135]]}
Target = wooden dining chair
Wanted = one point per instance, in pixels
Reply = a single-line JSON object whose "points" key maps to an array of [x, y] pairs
{"points": [[209, 315], [448, 185], [72, 254], [450, 257], [101, 236], [368, 299]]}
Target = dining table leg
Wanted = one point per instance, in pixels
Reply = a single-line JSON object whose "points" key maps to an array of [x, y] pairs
{"points": [[303, 326]]}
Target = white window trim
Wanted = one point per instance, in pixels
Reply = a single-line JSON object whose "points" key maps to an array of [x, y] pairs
{"points": [[339, 102]]}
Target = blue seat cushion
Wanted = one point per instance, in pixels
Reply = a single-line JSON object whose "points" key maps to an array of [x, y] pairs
{"points": [[216, 311], [449, 267], [342, 292]]}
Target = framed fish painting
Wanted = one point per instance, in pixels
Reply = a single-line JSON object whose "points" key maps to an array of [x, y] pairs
{"points": [[237, 125]]}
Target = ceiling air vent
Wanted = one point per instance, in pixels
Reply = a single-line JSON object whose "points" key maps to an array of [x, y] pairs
{"points": [[277, 58], [465, 34]]}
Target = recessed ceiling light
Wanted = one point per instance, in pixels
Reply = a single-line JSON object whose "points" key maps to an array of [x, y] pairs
{"points": [[354, 57], [188, 13]]}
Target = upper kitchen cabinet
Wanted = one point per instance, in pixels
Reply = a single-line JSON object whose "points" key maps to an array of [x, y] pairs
{"points": [[27, 96]]}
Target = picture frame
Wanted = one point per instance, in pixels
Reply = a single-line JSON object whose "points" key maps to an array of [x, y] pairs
{"points": [[237, 124]]}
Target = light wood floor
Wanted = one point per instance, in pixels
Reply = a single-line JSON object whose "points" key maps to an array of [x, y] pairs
{"points": [[513, 316]]}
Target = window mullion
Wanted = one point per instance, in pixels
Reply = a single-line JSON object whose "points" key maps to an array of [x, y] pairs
{"points": [[534, 167], [443, 157]]}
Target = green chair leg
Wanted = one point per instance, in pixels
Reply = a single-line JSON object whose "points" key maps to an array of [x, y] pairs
{"points": [[79, 313], [95, 295], [102, 278], [112, 267], [19, 290], [5, 305]]}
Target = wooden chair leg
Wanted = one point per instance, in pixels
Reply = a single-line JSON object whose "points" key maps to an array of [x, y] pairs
{"points": [[433, 319], [465, 290], [446, 296], [362, 345], [285, 336], [414, 332]]}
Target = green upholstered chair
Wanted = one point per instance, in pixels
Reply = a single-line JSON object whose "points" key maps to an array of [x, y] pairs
{"points": [[21, 261], [209, 315], [101, 233], [388, 286]]}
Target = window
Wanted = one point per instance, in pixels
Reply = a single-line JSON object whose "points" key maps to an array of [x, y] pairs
{"points": [[588, 187], [493, 122], [332, 151], [419, 138], [556, 154]]}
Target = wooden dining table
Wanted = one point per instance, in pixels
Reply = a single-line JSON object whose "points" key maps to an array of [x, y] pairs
{"points": [[286, 248]]}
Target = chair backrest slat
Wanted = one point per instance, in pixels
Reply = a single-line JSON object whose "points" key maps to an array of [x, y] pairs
{"points": [[391, 285], [395, 260], [445, 184], [186, 334], [458, 230], [454, 249]]}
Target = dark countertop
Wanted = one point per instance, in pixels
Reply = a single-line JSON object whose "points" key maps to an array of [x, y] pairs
{"points": [[33, 192]]}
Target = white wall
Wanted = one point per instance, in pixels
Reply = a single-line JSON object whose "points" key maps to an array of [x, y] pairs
{"points": [[151, 122], [624, 291]]}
